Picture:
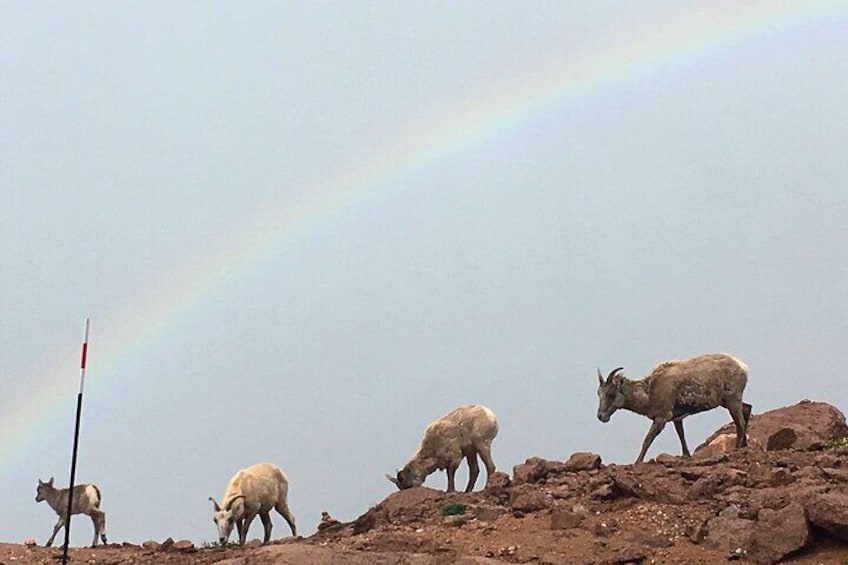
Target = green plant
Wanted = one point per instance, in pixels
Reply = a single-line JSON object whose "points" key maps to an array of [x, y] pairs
{"points": [[835, 443], [455, 509], [214, 545]]}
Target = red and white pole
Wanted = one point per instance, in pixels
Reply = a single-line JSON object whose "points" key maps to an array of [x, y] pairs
{"points": [[76, 443], [84, 355]]}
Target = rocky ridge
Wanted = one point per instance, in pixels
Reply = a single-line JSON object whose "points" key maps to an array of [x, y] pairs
{"points": [[782, 499]]}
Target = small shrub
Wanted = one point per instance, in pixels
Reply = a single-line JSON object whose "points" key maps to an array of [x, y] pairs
{"points": [[215, 545], [456, 509], [836, 443]]}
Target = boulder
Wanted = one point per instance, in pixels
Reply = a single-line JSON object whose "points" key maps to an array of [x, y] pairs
{"points": [[184, 546], [717, 481], [583, 461], [562, 519], [529, 499], [536, 469], [625, 554], [723, 443], [498, 480], [829, 511], [728, 533], [779, 533], [530, 471], [411, 503], [800, 426]]}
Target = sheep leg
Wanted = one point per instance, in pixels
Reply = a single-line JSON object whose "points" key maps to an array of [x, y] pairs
{"points": [[244, 526], [96, 529], [451, 471], [486, 456], [653, 432], [678, 427], [239, 527], [266, 523], [103, 527], [746, 411], [473, 471], [98, 518], [56, 528], [284, 511], [737, 412]]}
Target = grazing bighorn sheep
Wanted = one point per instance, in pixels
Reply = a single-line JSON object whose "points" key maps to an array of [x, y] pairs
{"points": [[86, 500], [676, 389], [252, 491], [466, 432]]}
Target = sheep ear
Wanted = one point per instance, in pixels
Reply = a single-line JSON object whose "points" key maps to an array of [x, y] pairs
{"points": [[50, 482], [392, 479], [600, 376], [217, 507]]}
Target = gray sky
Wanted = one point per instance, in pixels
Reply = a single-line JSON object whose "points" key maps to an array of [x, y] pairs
{"points": [[302, 231]]}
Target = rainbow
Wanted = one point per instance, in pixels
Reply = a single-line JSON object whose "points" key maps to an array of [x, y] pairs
{"points": [[474, 121]]}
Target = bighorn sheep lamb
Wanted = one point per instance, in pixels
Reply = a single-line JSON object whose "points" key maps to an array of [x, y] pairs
{"points": [[466, 432], [252, 491], [86, 500], [676, 389]]}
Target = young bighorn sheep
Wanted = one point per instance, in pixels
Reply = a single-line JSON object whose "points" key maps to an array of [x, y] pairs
{"points": [[86, 500], [466, 432], [252, 491], [676, 389]]}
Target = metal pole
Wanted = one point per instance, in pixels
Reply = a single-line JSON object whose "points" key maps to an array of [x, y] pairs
{"points": [[76, 443]]}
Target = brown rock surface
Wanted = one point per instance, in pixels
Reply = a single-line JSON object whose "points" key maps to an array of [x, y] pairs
{"points": [[801, 425]]}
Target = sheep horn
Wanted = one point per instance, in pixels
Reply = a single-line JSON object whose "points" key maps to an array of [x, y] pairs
{"points": [[233, 499], [613, 373]]}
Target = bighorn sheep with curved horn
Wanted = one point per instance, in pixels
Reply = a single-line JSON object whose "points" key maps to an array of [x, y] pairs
{"points": [[255, 490], [676, 389]]}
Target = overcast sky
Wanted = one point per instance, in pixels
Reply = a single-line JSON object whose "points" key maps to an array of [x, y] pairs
{"points": [[303, 231]]}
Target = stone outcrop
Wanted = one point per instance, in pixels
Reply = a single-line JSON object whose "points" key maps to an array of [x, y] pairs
{"points": [[801, 426]]}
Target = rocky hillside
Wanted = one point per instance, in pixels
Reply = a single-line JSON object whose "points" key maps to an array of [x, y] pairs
{"points": [[783, 499]]}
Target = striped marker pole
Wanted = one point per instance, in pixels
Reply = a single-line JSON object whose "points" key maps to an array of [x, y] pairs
{"points": [[76, 443]]}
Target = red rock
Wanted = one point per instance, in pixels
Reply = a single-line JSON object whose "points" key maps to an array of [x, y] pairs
{"points": [[809, 421], [565, 519], [829, 511], [779, 533], [529, 500], [498, 480], [727, 533], [583, 461]]}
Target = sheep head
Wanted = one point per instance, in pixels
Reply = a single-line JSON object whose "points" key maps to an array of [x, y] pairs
{"points": [[406, 478], [610, 395], [42, 488], [225, 518]]}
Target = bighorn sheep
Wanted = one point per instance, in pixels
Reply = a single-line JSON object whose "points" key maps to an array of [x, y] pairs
{"points": [[466, 432], [676, 389], [86, 500], [252, 491]]}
